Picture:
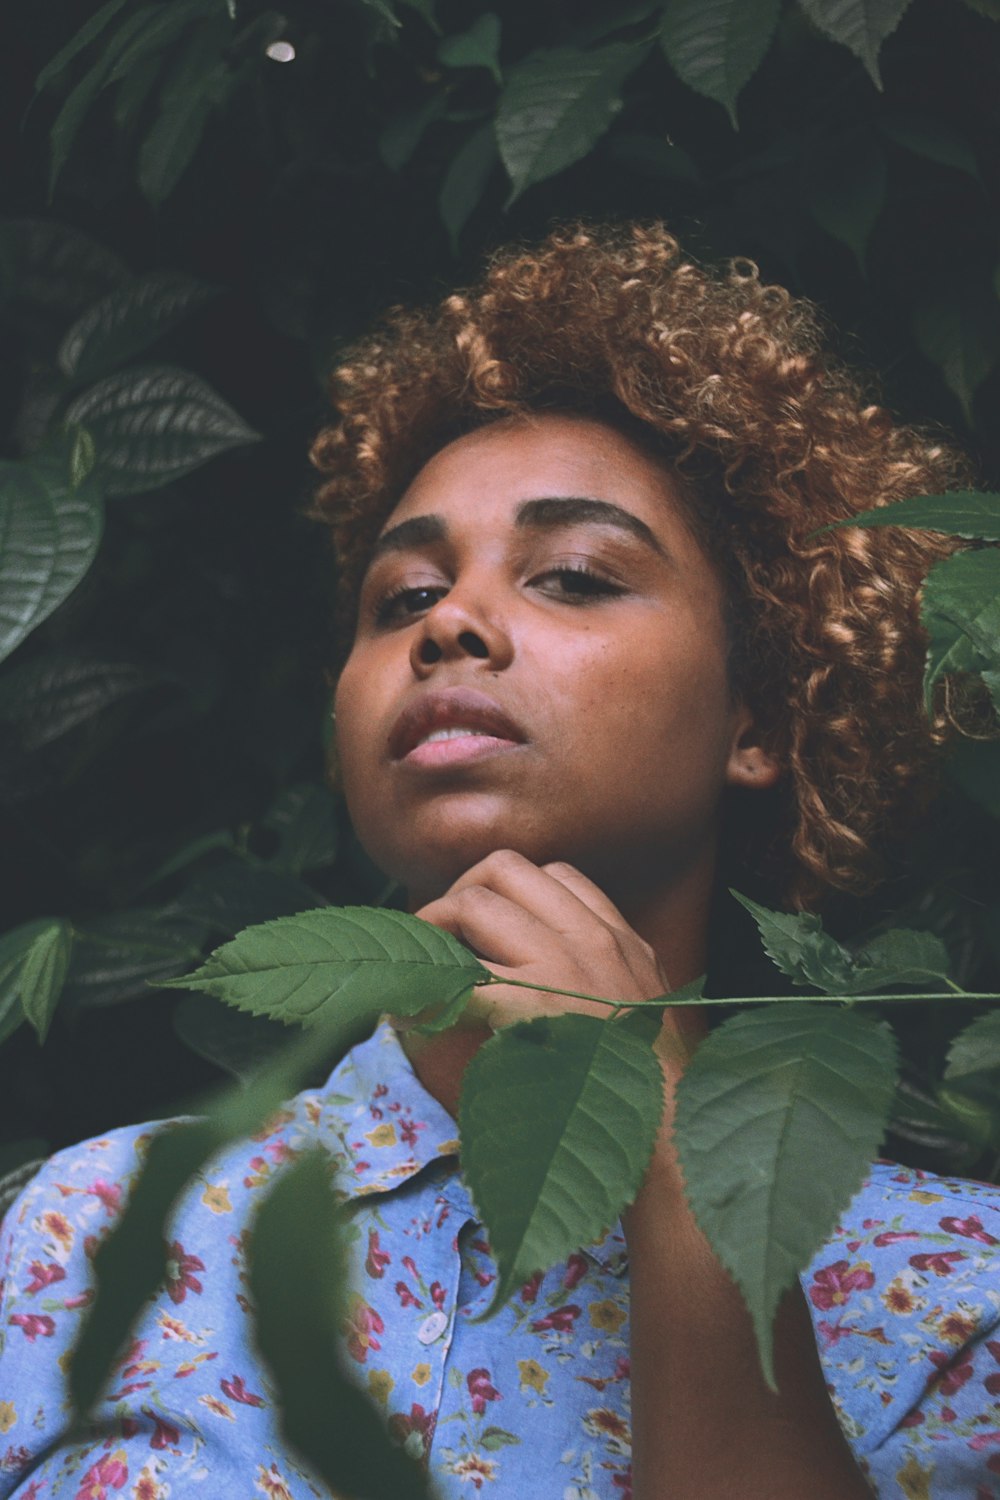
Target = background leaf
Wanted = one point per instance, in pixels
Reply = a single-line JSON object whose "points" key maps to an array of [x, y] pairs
{"points": [[862, 25], [974, 1058], [961, 608], [479, 47], [33, 960], [128, 320], [960, 333], [967, 513], [846, 195], [306, 820], [466, 179], [716, 46], [47, 696]]}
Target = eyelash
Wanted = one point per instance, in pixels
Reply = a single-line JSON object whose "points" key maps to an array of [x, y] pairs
{"points": [[598, 587]]}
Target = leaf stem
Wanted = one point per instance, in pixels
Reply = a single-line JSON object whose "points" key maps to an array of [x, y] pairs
{"points": [[661, 1002]]}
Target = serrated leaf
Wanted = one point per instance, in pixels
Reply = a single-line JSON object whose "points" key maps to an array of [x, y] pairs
{"points": [[556, 104], [88, 32], [900, 957], [49, 695], [43, 972], [768, 1094], [128, 320], [117, 956], [716, 46], [801, 949], [465, 181], [238, 1043], [961, 614], [968, 513], [153, 424], [557, 1117], [861, 25], [479, 47], [298, 1283], [49, 535], [934, 140], [15, 953], [350, 962], [974, 1058], [960, 333], [846, 195], [306, 820]]}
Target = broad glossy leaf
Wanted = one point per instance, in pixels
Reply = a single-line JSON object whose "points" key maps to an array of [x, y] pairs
{"points": [[558, 1117], [801, 949], [465, 181], [961, 614], [861, 25], [306, 820], [974, 1058], [716, 46], [479, 47], [846, 195], [352, 963], [117, 956], [128, 320], [968, 513], [934, 140], [153, 424], [960, 333], [298, 1286], [49, 695], [238, 1043], [49, 534], [88, 32], [556, 104], [768, 1095]]}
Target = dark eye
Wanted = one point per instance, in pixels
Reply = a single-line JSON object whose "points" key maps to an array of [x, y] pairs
{"points": [[577, 585], [404, 602]]}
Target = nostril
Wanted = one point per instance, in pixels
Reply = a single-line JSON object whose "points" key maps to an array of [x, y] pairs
{"points": [[430, 652], [473, 644]]}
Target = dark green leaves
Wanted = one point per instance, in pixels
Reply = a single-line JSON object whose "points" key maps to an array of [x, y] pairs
{"points": [[349, 964], [967, 513], [127, 321], [49, 533], [974, 1059], [558, 1117], [961, 613], [861, 25], [716, 46], [556, 104], [33, 963], [769, 1095], [960, 333], [154, 424]]}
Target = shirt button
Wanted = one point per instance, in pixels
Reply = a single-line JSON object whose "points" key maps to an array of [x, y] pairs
{"points": [[432, 1328]]}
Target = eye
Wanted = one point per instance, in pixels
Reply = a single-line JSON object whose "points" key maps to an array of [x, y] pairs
{"points": [[404, 603], [577, 584]]}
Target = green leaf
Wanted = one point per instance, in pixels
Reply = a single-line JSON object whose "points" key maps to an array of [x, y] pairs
{"points": [[133, 92], [801, 949], [961, 614], [238, 1043], [152, 424], [479, 47], [556, 104], [403, 134], [902, 956], [241, 892], [716, 46], [465, 181], [495, 1438], [88, 32], [118, 955], [861, 25], [56, 271], [960, 333], [306, 820], [197, 84], [350, 962], [33, 963], [974, 1058], [558, 1117], [934, 140], [49, 534], [47, 696], [768, 1095], [968, 513], [298, 1285], [162, 25], [846, 195], [128, 320]]}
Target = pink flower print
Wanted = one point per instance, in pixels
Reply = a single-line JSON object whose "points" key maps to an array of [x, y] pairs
{"points": [[409, 1130], [165, 1435], [941, 1262], [381, 1089], [110, 1472], [33, 1324], [484, 1277], [377, 1259], [529, 1291], [44, 1275], [180, 1267], [895, 1236], [280, 1151], [576, 1270], [438, 1295], [832, 1285], [622, 1480], [971, 1228], [410, 1265], [406, 1297], [83, 1299], [913, 1419], [560, 1319], [419, 1421], [481, 1390], [986, 1440], [954, 1373], [992, 1382], [360, 1327], [108, 1193], [236, 1390], [948, 1414]]}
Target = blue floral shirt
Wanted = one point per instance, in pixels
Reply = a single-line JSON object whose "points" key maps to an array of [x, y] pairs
{"points": [[905, 1298]]}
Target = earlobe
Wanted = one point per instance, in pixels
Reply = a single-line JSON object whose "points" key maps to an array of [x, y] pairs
{"points": [[751, 764]]}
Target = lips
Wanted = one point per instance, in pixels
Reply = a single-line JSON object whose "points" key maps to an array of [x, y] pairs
{"points": [[451, 708]]}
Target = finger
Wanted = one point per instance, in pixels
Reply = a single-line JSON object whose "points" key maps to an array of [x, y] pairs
{"points": [[498, 928], [546, 897], [586, 891]]}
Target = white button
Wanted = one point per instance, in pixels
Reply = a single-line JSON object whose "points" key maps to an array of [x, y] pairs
{"points": [[432, 1328]]}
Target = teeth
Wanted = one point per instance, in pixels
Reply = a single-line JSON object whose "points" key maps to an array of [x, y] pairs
{"points": [[451, 734]]}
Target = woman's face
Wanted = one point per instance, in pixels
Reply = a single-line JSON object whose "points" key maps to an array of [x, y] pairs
{"points": [[540, 665]]}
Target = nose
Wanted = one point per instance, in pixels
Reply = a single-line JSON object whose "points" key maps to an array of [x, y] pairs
{"points": [[459, 626]]}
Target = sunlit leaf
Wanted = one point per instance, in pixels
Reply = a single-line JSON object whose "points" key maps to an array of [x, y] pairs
{"points": [[961, 614], [861, 25], [556, 104], [960, 333], [558, 1117], [465, 181], [49, 535], [768, 1095], [49, 695], [968, 513], [846, 195], [353, 963], [298, 1285], [128, 320], [974, 1058], [716, 46], [153, 424], [479, 47]]}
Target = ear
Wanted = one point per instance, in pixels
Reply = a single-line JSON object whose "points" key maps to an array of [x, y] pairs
{"points": [[750, 763]]}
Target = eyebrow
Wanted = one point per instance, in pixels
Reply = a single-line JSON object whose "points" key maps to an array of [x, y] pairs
{"points": [[547, 513]]}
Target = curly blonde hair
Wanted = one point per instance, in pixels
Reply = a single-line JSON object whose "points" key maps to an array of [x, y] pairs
{"points": [[728, 381]]}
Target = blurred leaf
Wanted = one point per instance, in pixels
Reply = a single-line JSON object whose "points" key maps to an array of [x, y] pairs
{"points": [[162, 25], [558, 1117], [88, 32], [298, 1283], [189, 854], [556, 104], [974, 1059], [846, 195], [975, 766], [716, 46], [33, 962], [934, 140], [117, 956], [465, 181], [134, 91], [234, 1041], [197, 84], [49, 534], [152, 424], [306, 820], [54, 270], [426, 9], [919, 1117], [404, 132], [968, 513], [128, 320], [861, 25], [650, 156], [241, 892], [355, 963], [479, 47], [768, 1095], [49, 695], [975, 1117], [960, 334], [961, 614]]}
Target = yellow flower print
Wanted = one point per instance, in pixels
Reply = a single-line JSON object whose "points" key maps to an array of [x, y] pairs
{"points": [[271, 1484], [920, 1196], [214, 1403], [606, 1315], [421, 1373], [54, 1223], [380, 1383], [899, 1299], [146, 1488], [531, 1373], [216, 1197], [914, 1480], [8, 1415], [173, 1328], [449, 1147], [471, 1466], [601, 1421], [382, 1135]]}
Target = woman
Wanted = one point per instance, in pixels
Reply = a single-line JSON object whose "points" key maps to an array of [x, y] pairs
{"points": [[590, 626]]}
